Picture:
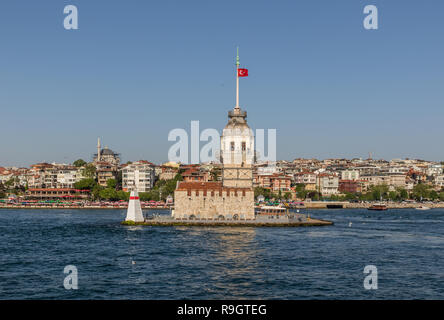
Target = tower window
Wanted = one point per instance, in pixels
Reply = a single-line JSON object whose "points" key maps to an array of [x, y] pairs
{"points": [[244, 146], [232, 146]]}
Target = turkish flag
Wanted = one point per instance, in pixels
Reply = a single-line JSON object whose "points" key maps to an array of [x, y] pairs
{"points": [[242, 72]]}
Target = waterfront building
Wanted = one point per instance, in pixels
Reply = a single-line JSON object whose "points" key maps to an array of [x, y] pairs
{"points": [[409, 183], [56, 194], [398, 170], [374, 180], [350, 175], [265, 169], [34, 180], [367, 170], [397, 181], [275, 182], [233, 197], [306, 178], [434, 170], [349, 186], [105, 171], [392, 180], [327, 184], [195, 175], [67, 176], [439, 180], [15, 177], [169, 170], [138, 175], [280, 182], [262, 180], [5, 175]]}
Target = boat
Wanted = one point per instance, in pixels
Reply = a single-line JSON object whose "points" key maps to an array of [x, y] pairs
{"points": [[378, 207], [422, 208]]}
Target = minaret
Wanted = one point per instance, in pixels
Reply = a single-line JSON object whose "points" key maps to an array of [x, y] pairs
{"points": [[98, 149]]}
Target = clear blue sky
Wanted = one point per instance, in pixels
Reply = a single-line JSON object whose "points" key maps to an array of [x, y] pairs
{"points": [[137, 69]]}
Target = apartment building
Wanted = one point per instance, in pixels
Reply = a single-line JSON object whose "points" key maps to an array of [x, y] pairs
{"points": [[139, 175]]}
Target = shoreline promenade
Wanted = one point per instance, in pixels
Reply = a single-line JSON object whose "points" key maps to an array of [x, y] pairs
{"points": [[307, 205]]}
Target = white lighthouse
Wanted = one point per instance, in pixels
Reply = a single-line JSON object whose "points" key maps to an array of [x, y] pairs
{"points": [[134, 212]]}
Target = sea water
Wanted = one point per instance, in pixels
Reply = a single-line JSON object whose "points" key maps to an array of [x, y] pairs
{"points": [[135, 262]]}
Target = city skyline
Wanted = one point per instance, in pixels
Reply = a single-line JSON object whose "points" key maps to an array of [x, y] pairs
{"points": [[331, 88]]}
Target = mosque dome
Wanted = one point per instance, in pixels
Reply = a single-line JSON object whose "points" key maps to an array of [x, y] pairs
{"points": [[107, 152]]}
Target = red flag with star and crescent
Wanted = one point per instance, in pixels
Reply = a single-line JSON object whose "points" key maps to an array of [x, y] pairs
{"points": [[242, 72]]}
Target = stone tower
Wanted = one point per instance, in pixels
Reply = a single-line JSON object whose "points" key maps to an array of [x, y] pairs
{"points": [[237, 146]]}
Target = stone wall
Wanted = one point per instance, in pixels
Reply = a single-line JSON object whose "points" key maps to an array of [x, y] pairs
{"points": [[214, 204]]}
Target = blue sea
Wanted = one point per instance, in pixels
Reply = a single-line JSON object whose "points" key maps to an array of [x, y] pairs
{"points": [[124, 262]]}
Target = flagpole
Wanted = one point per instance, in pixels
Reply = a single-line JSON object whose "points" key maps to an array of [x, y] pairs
{"points": [[237, 78]]}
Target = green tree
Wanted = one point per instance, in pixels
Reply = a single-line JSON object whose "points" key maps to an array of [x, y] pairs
{"points": [[122, 195], [287, 195], [119, 179], [379, 192], [441, 196], [154, 195], [89, 171], [144, 196], [164, 188], [2, 195], [421, 191], [433, 195], [350, 196], [111, 183], [403, 194], [314, 195], [85, 184], [108, 194], [258, 191], [300, 191], [393, 195], [79, 163], [96, 192], [215, 173], [9, 184]]}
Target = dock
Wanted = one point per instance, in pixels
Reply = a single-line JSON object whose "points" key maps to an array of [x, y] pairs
{"points": [[170, 222]]}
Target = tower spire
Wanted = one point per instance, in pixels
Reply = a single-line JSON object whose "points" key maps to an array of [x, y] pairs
{"points": [[237, 79], [98, 149]]}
